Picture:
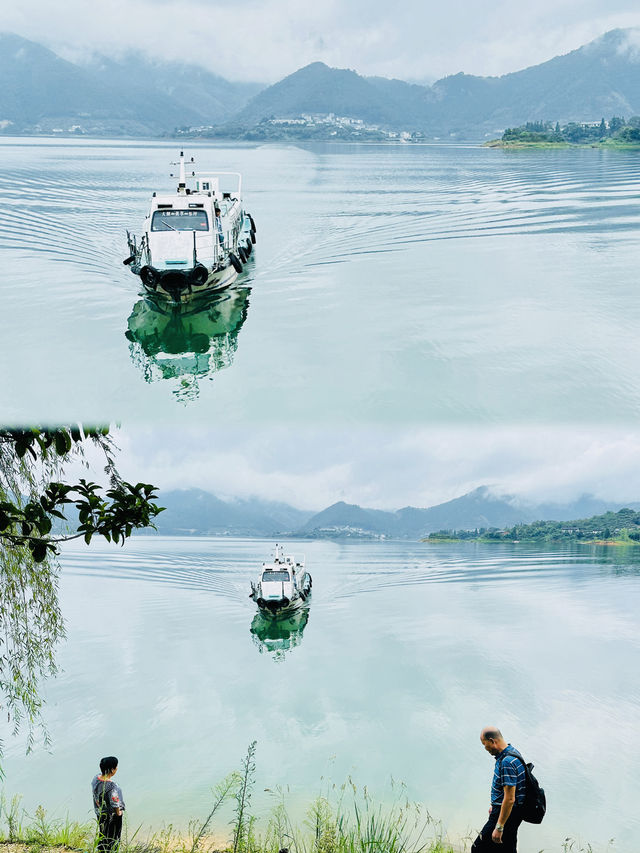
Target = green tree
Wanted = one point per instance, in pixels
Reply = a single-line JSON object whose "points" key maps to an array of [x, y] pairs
{"points": [[630, 134], [34, 520], [615, 124]]}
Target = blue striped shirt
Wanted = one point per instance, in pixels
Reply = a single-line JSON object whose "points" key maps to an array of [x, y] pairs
{"points": [[509, 770]]}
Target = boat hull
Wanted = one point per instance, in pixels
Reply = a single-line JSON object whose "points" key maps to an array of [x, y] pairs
{"points": [[183, 285], [277, 608], [273, 606]]}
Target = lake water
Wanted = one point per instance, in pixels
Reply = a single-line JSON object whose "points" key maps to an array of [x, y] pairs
{"points": [[408, 649], [393, 284]]}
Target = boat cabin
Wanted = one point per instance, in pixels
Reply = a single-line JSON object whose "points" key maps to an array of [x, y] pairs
{"points": [[283, 583], [198, 224]]}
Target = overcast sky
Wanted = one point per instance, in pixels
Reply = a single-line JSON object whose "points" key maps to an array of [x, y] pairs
{"points": [[264, 40], [386, 468]]}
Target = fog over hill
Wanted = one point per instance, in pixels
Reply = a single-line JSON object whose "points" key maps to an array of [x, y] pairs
{"points": [[599, 79], [196, 512], [41, 92], [132, 96]]}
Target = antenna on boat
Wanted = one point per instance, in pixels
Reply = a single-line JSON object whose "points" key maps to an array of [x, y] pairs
{"points": [[182, 180]]}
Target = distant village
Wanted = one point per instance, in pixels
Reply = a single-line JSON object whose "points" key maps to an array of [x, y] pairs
{"points": [[306, 126]]}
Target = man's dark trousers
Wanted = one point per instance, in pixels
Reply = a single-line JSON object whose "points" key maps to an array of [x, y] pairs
{"points": [[109, 831], [484, 844]]}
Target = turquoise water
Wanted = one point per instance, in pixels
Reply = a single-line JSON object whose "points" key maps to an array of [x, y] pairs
{"points": [[390, 284], [406, 651]]}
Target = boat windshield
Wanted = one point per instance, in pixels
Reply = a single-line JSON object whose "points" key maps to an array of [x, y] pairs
{"points": [[180, 220], [275, 576]]}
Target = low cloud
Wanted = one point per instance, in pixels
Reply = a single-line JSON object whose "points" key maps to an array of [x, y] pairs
{"points": [[387, 468], [264, 40]]}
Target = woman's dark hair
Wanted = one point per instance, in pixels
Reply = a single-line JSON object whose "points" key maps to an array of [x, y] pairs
{"points": [[108, 764]]}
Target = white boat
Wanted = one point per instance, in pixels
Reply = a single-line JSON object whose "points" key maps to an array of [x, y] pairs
{"points": [[195, 240], [283, 585]]}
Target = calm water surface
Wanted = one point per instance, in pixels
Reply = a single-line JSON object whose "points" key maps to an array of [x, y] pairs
{"points": [[390, 283], [408, 649]]}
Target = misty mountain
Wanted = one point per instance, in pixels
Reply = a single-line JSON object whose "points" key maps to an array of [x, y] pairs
{"points": [[135, 95], [342, 515], [599, 79], [319, 89], [38, 85], [209, 97], [41, 91], [197, 512], [479, 508], [476, 509], [194, 511]]}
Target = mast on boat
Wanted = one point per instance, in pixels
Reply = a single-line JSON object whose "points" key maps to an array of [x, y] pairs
{"points": [[182, 175]]}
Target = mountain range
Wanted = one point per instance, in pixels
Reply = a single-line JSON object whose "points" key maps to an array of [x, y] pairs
{"points": [[197, 512], [134, 95]]}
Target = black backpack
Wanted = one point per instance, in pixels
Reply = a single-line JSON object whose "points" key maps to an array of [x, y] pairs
{"points": [[535, 802]]}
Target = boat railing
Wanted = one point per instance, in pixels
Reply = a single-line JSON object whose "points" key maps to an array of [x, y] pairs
{"points": [[145, 251]]}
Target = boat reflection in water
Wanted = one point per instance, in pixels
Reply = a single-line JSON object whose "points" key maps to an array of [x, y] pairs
{"points": [[189, 341], [277, 635]]}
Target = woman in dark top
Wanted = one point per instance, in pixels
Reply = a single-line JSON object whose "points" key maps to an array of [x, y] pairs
{"points": [[108, 804]]}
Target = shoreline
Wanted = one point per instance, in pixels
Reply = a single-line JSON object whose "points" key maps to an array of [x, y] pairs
{"points": [[550, 146], [611, 543], [242, 141]]}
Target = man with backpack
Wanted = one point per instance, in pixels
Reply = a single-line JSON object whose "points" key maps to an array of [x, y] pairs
{"points": [[508, 791], [108, 804]]}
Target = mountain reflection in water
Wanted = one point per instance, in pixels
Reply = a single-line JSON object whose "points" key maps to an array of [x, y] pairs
{"points": [[188, 342], [279, 634]]}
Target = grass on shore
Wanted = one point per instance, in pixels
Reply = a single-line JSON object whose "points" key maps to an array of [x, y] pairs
{"points": [[341, 819], [344, 820]]}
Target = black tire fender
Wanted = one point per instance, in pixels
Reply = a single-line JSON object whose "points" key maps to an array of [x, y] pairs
{"points": [[149, 277], [199, 275], [235, 263]]}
